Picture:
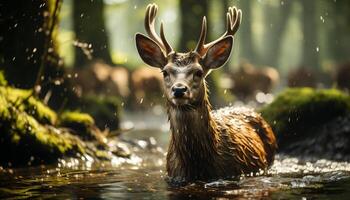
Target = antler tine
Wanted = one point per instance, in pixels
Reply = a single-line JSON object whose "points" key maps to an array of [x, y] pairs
{"points": [[151, 13], [233, 20], [167, 46], [202, 37], [236, 20], [149, 23]]}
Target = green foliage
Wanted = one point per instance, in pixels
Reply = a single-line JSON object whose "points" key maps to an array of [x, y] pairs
{"points": [[23, 140], [296, 110]]}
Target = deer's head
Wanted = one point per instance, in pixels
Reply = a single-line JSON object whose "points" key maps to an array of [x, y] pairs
{"points": [[184, 73]]}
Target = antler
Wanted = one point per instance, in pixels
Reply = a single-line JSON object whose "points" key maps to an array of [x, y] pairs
{"points": [[233, 20], [151, 13]]}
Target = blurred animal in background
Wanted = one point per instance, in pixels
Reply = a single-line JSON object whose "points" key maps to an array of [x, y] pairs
{"points": [[342, 76], [99, 78], [302, 77], [101, 89], [146, 85], [248, 80]]}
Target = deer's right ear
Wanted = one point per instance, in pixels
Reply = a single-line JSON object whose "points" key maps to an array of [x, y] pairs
{"points": [[149, 51]]}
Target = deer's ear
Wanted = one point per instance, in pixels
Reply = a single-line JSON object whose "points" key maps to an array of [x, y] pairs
{"points": [[218, 53], [149, 51]]}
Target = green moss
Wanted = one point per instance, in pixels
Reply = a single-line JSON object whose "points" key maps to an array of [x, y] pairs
{"points": [[29, 132], [40, 111], [296, 110], [76, 117], [3, 81], [23, 100], [82, 124], [25, 140]]}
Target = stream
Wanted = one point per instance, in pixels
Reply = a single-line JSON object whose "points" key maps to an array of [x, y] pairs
{"points": [[143, 176]]}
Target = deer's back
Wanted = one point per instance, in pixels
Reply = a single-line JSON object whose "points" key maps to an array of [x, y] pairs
{"points": [[247, 141]]}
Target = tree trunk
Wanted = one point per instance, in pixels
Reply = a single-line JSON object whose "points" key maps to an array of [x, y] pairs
{"points": [[338, 31], [277, 20], [25, 26], [310, 41], [90, 32], [191, 12], [247, 50]]}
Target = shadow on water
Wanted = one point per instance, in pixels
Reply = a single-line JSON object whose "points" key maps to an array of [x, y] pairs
{"points": [[143, 177]]}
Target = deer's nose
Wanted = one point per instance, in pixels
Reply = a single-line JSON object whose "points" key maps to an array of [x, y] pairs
{"points": [[179, 90]]}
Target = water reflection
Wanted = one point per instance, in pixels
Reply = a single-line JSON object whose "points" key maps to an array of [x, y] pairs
{"points": [[143, 177]]}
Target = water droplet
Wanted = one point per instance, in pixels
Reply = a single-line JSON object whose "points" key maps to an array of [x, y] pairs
{"points": [[57, 82], [322, 19]]}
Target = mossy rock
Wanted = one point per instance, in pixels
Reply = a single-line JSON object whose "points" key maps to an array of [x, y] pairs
{"points": [[81, 124], [297, 110], [24, 101], [105, 110], [24, 140], [76, 117], [30, 132]]}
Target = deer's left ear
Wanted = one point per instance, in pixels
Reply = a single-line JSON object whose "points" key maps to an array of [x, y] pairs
{"points": [[149, 51], [218, 54]]}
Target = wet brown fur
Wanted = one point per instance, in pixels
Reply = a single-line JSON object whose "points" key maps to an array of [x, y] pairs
{"points": [[222, 143]]}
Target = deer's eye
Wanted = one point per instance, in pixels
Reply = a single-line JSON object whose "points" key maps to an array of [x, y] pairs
{"points": [[198, 74], [165, 73]]}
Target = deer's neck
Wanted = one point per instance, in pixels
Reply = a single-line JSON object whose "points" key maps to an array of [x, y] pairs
{"points": [[194, 134]]}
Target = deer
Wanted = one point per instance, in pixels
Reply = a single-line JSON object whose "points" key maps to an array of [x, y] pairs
{"points": [[146, 84], [205, 144], [248, 80]]}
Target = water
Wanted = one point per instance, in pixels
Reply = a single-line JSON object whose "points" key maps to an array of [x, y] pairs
{"points": [[143, 177]]}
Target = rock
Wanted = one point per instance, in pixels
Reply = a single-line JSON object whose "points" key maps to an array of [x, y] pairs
{"points": [[80, 123], [32, 134], [296, 113], [25, 141], [25, 102], [329, 141]]}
